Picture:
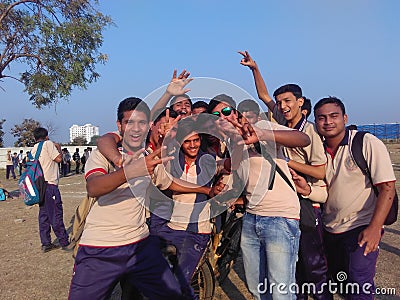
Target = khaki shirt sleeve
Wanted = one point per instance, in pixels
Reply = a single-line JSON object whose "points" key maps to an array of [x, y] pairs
{"points": [[161, 177]]}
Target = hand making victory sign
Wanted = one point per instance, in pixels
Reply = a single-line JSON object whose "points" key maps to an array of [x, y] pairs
{"points": [[166, 126]]}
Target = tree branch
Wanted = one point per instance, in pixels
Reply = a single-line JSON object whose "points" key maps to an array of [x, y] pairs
{"points": [[11, 6]]}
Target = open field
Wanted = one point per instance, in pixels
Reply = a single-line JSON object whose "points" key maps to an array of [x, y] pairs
{"points": [[27, 273]]}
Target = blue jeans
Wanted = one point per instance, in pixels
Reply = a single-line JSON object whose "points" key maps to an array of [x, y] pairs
{"points": [[270, 246]]}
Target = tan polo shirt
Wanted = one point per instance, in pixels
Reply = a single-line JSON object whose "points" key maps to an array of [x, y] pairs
{"points": [[117, 218], [282, 200], [46, 158], [351, 199], [185, 206], [314, 155]]}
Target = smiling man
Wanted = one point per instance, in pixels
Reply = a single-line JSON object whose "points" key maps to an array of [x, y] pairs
{"points": [[353, 214], [182, 105], [115, 243], [189, 227]]}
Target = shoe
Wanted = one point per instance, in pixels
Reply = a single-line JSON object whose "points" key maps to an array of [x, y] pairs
{"points": [[68, 248], [47, 248]]}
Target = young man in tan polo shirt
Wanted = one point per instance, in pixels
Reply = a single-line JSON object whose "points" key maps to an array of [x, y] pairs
{"points": [[353, 215], [308, 162]]}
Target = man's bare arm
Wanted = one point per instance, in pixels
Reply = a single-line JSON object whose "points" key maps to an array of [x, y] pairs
{"points": [[372, 234], [261, 87]]}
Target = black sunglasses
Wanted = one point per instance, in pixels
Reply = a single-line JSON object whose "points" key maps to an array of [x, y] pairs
{"points": [[226, 111]]}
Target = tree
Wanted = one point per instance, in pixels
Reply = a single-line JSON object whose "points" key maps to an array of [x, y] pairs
{"points": [[79, 141], [51, 128], [1, 133], [57, 40], [93, 140], [24, 132]]}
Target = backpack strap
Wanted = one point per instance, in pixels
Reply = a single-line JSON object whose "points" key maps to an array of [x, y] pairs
{"points": [[358, 156], [39, 150], [274, 167]]}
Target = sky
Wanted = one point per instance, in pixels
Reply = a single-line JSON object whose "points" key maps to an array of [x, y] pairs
{"points": [[347, 49]]}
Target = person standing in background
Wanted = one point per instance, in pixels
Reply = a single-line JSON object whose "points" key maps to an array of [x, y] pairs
{"points": [[9, 165], [51, 212]]}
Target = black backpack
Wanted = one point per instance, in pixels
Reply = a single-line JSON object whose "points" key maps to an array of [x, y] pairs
{"points": [[357, 154]]}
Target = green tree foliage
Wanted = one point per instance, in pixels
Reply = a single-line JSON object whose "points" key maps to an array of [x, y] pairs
{"points": [[57, 40], [93, 140], [1, 133], [24, 132], [79, 141]]}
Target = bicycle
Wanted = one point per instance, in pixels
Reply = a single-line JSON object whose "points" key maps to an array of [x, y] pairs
{"points": [[217, 260]]}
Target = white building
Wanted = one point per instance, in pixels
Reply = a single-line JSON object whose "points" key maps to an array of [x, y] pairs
{"points": [[87, 131]]}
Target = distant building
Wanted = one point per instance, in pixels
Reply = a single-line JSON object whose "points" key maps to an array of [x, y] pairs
{"points": [[87, 131]]}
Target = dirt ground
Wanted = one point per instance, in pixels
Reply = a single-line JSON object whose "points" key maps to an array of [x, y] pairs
{"points": [[27, 273]]}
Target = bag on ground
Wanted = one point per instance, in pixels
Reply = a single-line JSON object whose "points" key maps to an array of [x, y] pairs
{"points": [[2, 195], [32, 185]]}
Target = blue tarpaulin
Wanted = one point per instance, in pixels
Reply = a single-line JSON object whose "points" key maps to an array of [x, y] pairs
{"points": [[390, 131]]}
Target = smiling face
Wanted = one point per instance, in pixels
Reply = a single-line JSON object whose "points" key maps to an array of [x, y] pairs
{"points": [[330, 121], [289, 105], [191, 146], [182, 106], [133, 128]]}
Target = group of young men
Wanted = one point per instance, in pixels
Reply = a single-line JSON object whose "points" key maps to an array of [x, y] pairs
{"points": [[173, 166]]}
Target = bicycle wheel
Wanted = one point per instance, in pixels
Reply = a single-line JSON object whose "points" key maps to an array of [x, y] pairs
{"points": [[227, 259], [203, 281]]}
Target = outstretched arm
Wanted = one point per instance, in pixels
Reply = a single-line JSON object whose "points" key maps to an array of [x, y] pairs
{"points": [[261, 87], [287, 138], [317, 172], [175, 87]]}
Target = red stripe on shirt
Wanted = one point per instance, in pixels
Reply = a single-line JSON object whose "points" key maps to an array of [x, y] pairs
{"points": [[102, 171]]}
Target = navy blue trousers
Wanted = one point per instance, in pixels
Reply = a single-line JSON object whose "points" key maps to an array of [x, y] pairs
{"points": [[348, 266], [190, 247], [98, 269], [51, 216], [312, 265]]}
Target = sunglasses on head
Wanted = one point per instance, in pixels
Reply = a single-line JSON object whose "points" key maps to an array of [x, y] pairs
{"points": [[226, 111]]}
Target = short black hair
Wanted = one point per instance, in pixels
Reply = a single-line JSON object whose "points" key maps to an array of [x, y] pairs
{"points": [[199, 104], [173, 100], [40, 133], [221, 98], [289, 88], [132, 103], [307, 106], [248, 105], [329, 100], [186, 126]]}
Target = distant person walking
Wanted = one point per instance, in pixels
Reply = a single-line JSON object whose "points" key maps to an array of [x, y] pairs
{"points": [[9, 165], [84, 157], [51, 212], [77, 159], [20, 161]]}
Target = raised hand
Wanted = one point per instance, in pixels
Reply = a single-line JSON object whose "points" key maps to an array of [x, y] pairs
{"points": [[166, 126], [247, 60], [177, 84]]}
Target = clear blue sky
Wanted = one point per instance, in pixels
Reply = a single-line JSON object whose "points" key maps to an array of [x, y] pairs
{"points": [[348, 49]]}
